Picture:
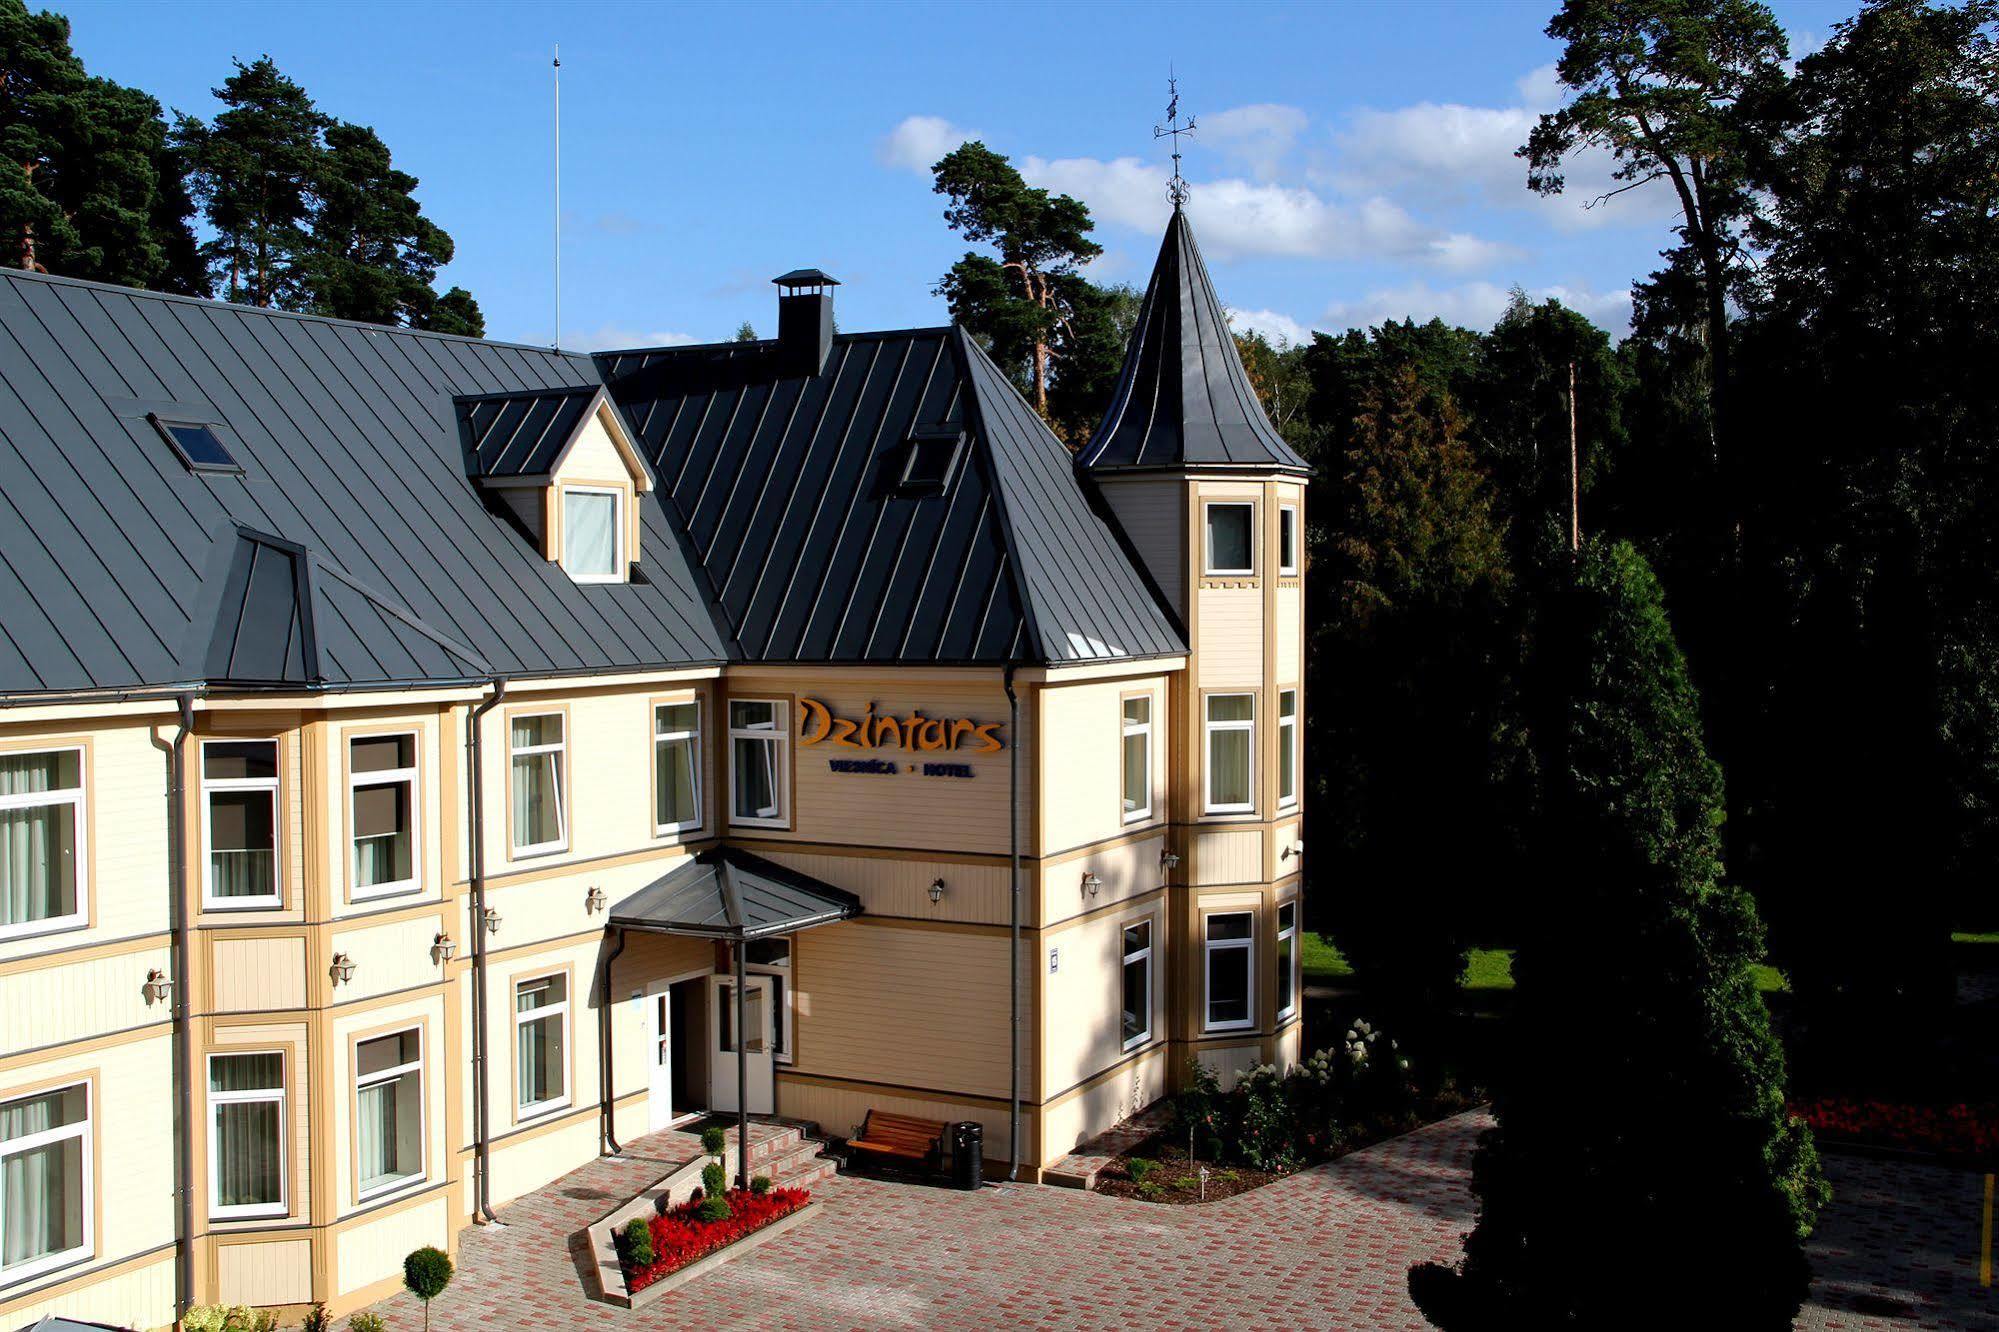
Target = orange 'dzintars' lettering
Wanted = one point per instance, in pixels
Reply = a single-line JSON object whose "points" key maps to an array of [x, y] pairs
{"points": [[876, 730]]}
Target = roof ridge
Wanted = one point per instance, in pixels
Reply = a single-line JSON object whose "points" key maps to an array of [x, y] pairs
{"points": [[174, 297], [975, 409], [859, 335]]}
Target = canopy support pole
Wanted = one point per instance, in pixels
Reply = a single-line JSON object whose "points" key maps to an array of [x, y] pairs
{"points": [[742, 1076]]}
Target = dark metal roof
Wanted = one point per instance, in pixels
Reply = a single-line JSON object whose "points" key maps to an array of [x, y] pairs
{"points": [[806, 277], [348, 435], [521, 434], [1183, 399], [787, 489], [728, 893]]}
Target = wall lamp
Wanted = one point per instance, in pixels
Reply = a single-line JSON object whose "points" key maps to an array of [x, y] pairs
{"points": [[442, 949], [1169, 860], [936, 891], [595, 900], [342, 968], [492, 920], [1295, 849], [1091, 883], [159, 987]]}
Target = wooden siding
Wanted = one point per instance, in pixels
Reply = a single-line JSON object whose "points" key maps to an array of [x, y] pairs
{"points": [[373, 1250], [258, 973], [142, 1296], [1233, 855], [270, 1272], [97, 995], [1231, 636], [1082, 1003], [1127, 869], [1082, 785], [901, 887]]}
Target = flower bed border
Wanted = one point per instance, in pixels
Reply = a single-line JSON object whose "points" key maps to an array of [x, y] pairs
{"points": [[675, 1186], [700, 1230], [714, 1258]]}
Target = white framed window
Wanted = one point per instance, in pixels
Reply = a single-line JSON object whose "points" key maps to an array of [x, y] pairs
{"points": [[1231, 768], [541, 1044], [246, 1134], [1135, 974], [1231, 544], [239, 821], [676, 766], [1137, 778], [1287, 959], [47, 1210], [42, 853], [389, 1112], [772, 958], [1287, 747], [758, 770], [382, 806], [536, 746], [593, 534], [1229, 969], [1287, 538]]}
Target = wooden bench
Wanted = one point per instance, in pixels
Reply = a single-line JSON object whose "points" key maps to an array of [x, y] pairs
{"points": [[900, 1138]]}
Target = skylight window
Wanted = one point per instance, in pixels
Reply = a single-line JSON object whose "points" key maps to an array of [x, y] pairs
{"points": [[929, 459], [197, 445]]}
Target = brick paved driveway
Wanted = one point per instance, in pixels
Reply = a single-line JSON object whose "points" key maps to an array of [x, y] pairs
{"points": [[1327, 1248]]}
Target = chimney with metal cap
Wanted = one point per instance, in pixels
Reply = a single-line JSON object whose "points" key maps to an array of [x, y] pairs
{"points": [[804, 321]]}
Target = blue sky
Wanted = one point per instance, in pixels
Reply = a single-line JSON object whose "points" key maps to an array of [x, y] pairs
{"points": [[1353, 163]]}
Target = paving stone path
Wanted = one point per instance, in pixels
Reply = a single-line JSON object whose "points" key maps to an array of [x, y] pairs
{"points": [[1328, 1248]]}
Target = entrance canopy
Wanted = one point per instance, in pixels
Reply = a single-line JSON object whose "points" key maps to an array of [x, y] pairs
{"points": [[727, 893]]}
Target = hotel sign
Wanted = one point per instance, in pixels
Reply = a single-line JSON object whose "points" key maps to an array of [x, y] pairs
{"points": [[914, 732]]}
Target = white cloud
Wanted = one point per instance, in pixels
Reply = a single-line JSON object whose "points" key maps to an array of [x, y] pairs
{"points": [[1475, 305], [1540, 89], [1260, 137], [1275, 326], [917, 143], [614, 336]]}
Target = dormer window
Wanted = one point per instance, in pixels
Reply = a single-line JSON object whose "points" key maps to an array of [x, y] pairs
{"points": [[930, 457], [196, 445], [593, 524]]}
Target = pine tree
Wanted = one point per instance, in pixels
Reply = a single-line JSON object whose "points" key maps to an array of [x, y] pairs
{"points": [[745, 332], [89, 191], [453, 312], [370, 253], [253, 171], [1644, 1172]]}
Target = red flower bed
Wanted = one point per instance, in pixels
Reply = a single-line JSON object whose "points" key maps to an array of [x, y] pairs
{"points": [[1963, 1132], [680, 1237]]}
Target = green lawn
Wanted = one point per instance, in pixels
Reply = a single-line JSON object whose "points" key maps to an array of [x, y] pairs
{"points": [[1491, 969], [1958, 937]]}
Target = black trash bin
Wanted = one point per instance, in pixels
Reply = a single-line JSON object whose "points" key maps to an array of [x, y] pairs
{"points": [[968, 1153]]}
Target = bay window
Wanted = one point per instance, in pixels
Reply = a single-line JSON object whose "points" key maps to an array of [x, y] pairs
{"points": [[45, 1189], [757, 768], [1231, 775], [1231, 545], [536, 747], [41, 842], [1136, 948], [388, 1111], [239, 800], [382, 800], [1287, 959], [1287, 747], [676, 752], [246, 1135], [1229, 966], [541, 1037], [1138, 758]]}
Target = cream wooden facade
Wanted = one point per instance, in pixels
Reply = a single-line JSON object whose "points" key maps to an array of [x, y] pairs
{"points": [[905, 1007]]}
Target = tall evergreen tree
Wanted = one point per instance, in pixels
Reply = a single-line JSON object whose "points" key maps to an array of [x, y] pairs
{"points": [[254, 171], [1641, 1110], [89, 190], [370, 253], [453, 312]]}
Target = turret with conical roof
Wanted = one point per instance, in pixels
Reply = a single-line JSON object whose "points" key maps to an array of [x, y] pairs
{"points": [[1184, 401]]}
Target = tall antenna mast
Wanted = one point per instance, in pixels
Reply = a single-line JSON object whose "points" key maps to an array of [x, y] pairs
{"points": [[558, 195], [1177, 190]]}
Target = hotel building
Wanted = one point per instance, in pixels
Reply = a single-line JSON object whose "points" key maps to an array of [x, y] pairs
{"points": [[426, 763]]}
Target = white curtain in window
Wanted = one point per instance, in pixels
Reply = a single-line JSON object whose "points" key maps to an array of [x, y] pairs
{"points": [[37, 844], [41, 1187], [377, 1110], [246, 1144], [241, 837], [589, 532]]}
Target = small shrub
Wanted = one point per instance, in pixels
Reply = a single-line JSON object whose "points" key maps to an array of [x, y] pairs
{"points": [[1149, 1188], [714, 1179], [317, 1320], [638, 1244], [1199, 1111], [715, 1208], [366, 1322], [426, 1272], [714, 1141], [1138, 1167], [229, 1318], [760, 1185], [1267, 1138]]}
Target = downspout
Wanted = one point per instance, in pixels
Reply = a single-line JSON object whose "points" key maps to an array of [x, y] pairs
{"points": [[182, 1004], [482, 1206], [608, 1132], [1013, 952]]}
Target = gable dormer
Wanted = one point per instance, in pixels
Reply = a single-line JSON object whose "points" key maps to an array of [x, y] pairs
{"points": [[564, 465]]}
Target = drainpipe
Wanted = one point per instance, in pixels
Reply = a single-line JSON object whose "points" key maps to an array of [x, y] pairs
{"points": [[182, 1003], [482, 1206], [609, 1131], [1013, 952]]}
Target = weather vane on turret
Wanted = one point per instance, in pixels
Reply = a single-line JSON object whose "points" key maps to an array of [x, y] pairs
{"points": [[1177, 190]]}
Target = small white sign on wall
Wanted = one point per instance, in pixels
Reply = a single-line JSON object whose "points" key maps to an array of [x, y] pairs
{"points": [[1054, 960]]}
